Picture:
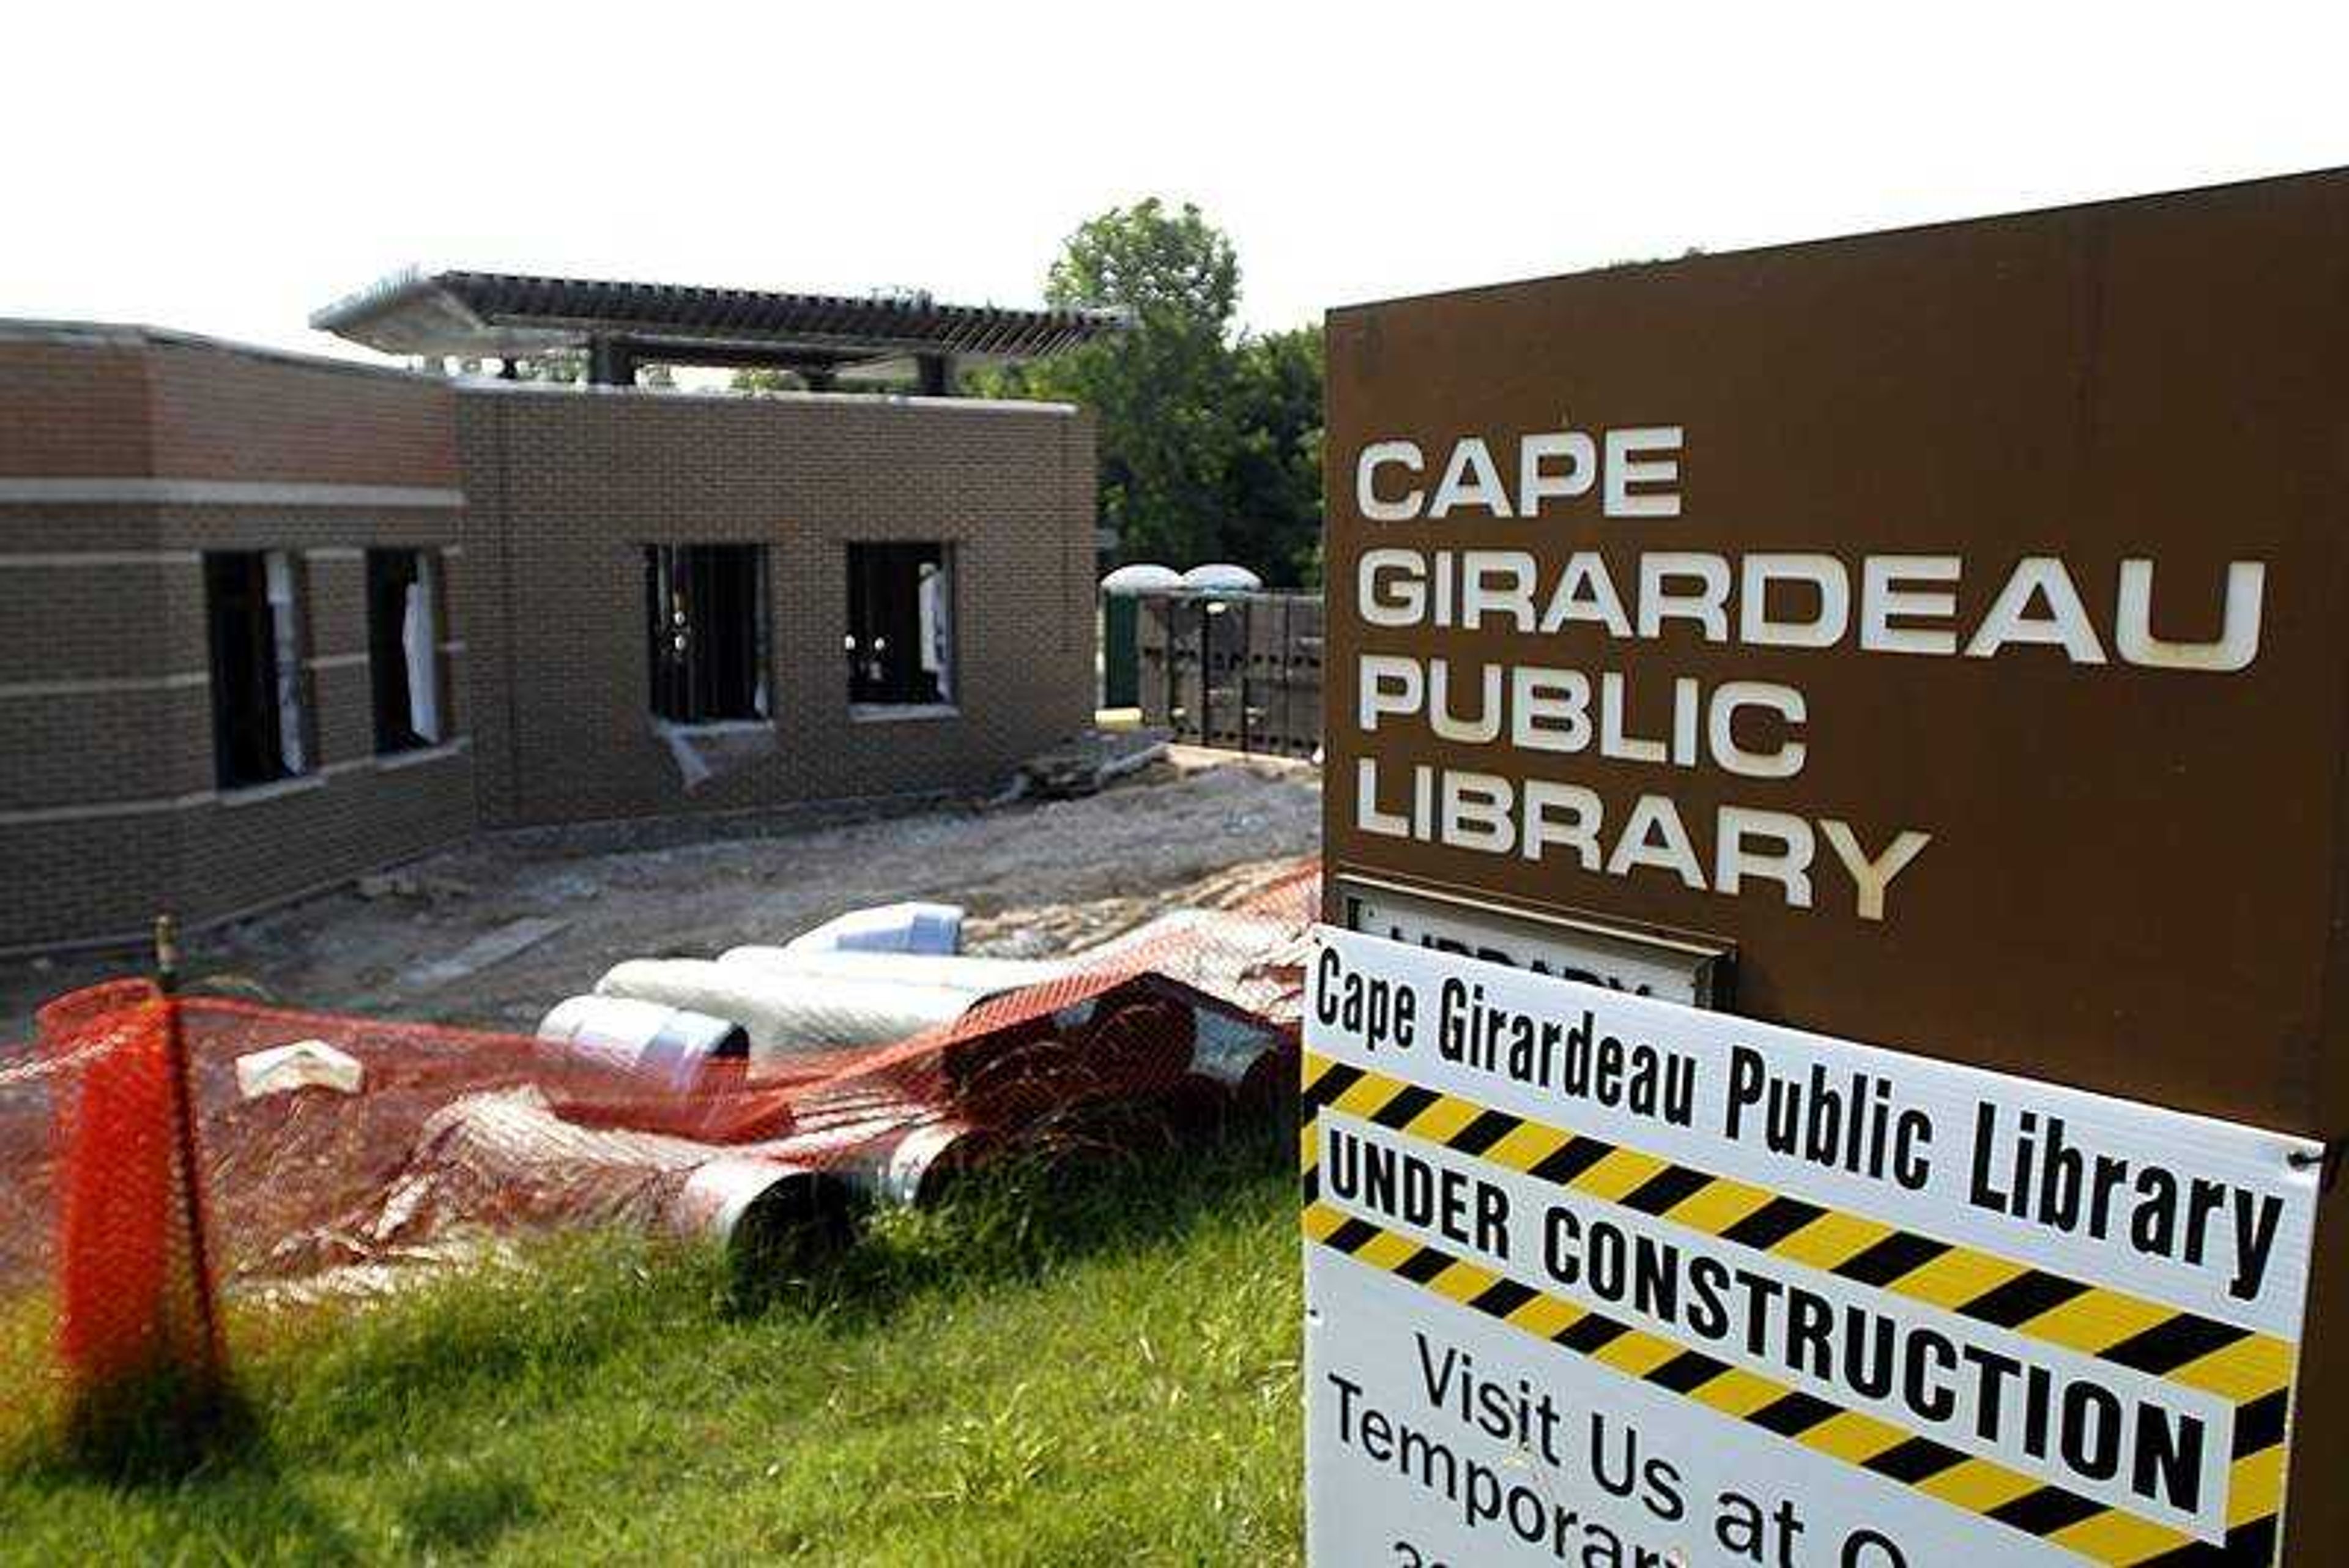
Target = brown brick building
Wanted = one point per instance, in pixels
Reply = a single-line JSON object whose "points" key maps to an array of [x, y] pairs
{"points": [[268, 621], [565, 490]]}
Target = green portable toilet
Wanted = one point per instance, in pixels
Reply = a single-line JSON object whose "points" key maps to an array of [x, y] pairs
{"points": [[1121, 652]]}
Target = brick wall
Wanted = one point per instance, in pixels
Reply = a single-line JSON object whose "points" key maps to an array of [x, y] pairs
{"points": [[109, 810], [324, 422], [540, 502], [566, 489], [73, 402]]}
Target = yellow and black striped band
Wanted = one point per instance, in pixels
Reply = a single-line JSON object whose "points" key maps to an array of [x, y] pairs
{"points": [[2250, 1371]]}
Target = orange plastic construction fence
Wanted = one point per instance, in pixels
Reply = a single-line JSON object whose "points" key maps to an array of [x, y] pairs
{"points": [[152, 1183]]}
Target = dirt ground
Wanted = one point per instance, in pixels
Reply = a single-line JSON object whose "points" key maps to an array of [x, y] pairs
{"points": [[494, 934]]}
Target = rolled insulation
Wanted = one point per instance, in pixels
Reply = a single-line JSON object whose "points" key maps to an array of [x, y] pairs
{"points": [[787, 1013], [505, 1157], [979, 976]]}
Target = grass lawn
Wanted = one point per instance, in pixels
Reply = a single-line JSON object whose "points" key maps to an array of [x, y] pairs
{"points": [[1050, 1371]]}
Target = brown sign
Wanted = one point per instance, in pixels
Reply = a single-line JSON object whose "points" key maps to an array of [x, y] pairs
{"points": [[1953, 622]]}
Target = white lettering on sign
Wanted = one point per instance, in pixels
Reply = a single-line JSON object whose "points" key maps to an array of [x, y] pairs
{"points": [[1548, 820], [1625, 709], [1635, 469], [1591, 1272], [1901, 606]]}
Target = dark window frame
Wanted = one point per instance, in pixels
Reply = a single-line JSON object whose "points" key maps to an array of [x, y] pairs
{"points": [[388, 668], [248, 654], [708, 633], [884, 638]]}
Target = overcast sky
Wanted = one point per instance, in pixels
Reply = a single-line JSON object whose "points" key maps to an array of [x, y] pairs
{"points": [[228, 169]]}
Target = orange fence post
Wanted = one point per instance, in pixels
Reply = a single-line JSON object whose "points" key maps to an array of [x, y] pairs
{"points": [[136, 1329]]}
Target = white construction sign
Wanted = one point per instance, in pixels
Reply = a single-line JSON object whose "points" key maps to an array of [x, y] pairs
{"points": [[1600, 1280]]}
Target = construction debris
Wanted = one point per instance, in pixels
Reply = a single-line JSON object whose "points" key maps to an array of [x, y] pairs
{"points": [[662, 886], [1092, 761], [303, 1064], [412, 885], [513, 937]]}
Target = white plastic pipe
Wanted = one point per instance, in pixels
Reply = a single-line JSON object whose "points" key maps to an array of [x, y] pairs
{"points": [[651, 1038], [979, 976], [785, 1013], [911, 927]]}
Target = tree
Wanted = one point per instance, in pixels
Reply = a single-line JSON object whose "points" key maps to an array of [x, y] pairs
{"points": [[1171, 270], [1273, 524], [1161, 390], [765, 380], [1210, 442], [558, 366]]}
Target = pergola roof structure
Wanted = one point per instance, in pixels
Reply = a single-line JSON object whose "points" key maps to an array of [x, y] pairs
{"points": [[505, 316]]}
